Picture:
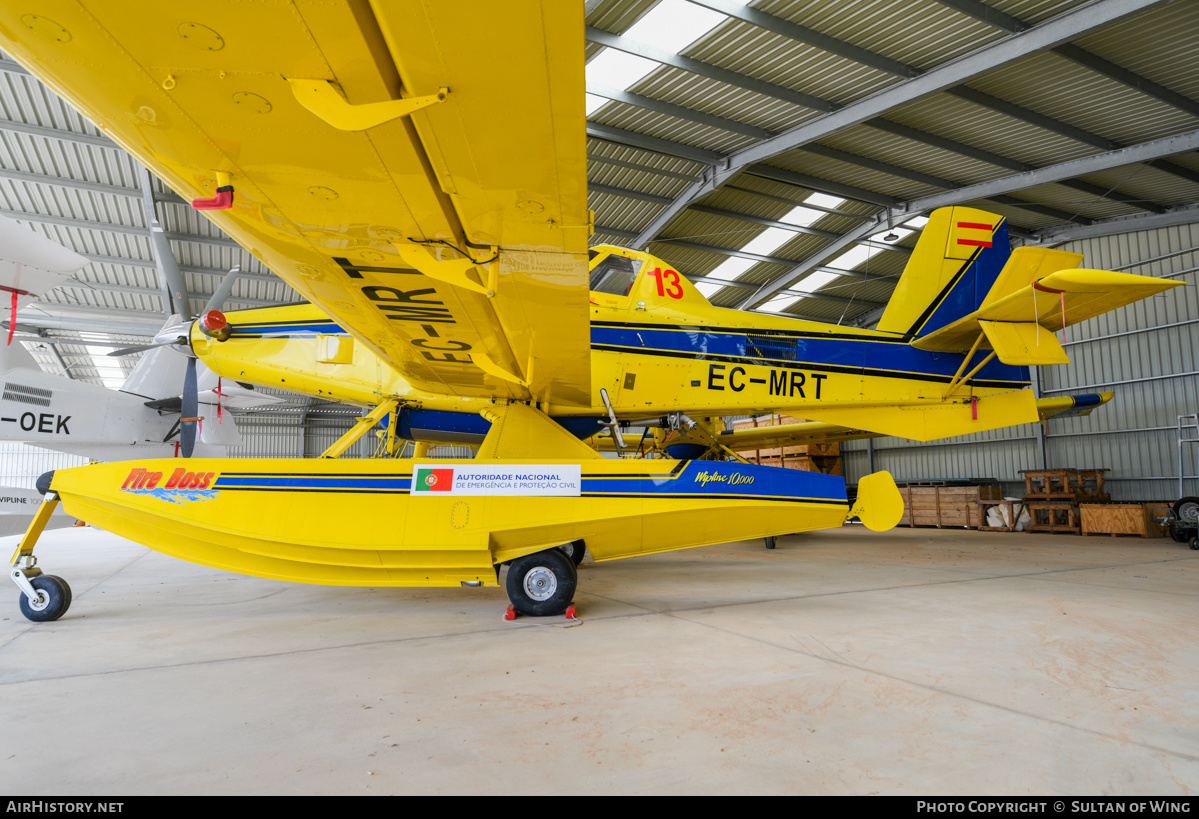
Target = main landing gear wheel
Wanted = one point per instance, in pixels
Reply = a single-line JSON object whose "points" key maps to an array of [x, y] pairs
{"points": [[542, 584], [53, 599], [575, 550]]}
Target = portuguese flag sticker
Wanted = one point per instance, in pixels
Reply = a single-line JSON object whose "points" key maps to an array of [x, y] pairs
{"points": [[433, 480]]}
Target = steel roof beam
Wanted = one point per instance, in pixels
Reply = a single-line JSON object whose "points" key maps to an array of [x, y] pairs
{"points": [[661, 146], [110, 227], [1060, 29], [1013, 25], [678, 111], [201, 271], [1144, 152], [766, 291], [636, 166], [628, 194], [151, 291], [985, 190], [82, 185], [1110, 227], [727, 251], [669, 58]]}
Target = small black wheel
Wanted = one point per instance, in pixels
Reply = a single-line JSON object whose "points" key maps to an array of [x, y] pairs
{"points": [[1177, 533], [769, 543], [1195, 543], [542, 584], [576, 550], [54, 598]]}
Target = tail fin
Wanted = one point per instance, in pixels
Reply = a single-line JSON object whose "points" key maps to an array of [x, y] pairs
{"points": [[954, 265]]}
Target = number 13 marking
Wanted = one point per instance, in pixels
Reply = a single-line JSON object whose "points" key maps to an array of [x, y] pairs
{"points": [[675, 291]]}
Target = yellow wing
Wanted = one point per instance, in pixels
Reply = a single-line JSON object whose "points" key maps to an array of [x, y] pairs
{"points": [[818, 432], [416, 171]]}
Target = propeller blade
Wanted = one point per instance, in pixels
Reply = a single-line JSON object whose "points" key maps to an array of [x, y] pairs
{"points": [[189, 421], [223, 290], [141, 348]]}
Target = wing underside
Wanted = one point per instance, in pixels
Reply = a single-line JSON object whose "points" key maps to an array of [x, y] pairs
{"points": [[416, 171]]}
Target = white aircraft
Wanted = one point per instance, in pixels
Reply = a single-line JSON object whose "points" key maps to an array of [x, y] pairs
{"points": [[140, 420]]}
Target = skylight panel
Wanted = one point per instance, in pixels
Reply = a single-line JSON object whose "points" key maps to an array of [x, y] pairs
{"points": [[801, 216], [853, 257], [672, 25], [779, 303], [917, 222], [815, 281], [708, 289], [616, 69], [768, 241], [823, 200], [112, 374], [594, 103], [731, 269]]}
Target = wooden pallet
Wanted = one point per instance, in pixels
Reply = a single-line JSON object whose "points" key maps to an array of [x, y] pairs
{"points": [[1064, 484], [1115, 519], [1059, 518]]}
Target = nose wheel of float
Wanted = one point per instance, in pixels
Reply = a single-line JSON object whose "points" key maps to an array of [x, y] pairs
{"points": [[44, 597]]}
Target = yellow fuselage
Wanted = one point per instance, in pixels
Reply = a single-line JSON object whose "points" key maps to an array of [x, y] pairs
{"points": [[660, 348]]}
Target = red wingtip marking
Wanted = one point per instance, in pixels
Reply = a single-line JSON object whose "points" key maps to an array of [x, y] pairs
{"points": [[974, 242], [975, 225]]}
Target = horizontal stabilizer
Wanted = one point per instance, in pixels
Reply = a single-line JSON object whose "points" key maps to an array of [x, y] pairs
{"points": [[1068, 405], [1087, 293], [1023, 343]]}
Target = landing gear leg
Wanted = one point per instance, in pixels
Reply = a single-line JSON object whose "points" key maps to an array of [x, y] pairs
{"points": [[44, 597]]}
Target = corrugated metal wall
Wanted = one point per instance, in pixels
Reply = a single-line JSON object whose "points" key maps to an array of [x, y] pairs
{"points": [[1146, 353], [21, 464]]}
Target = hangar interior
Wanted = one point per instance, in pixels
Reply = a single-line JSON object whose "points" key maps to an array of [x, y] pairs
{"points": [[1098, 161], [783, 155]]}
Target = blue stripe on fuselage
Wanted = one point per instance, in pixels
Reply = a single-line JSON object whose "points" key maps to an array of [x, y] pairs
{"points": [[811, 353]]}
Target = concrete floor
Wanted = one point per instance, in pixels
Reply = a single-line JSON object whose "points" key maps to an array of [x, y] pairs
{"points": [[844, 662]]}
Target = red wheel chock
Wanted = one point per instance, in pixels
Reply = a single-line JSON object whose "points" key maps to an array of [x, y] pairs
{"points": [[571, 612]]}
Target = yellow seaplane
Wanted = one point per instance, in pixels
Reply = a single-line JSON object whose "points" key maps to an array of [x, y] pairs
{"points": [[417, 172]]}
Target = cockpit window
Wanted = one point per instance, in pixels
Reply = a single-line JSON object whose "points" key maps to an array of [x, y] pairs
{"points": [[615, 275]]}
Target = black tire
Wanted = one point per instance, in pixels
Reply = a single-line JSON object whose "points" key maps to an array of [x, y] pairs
{"points": [[1195, 543], [1186, 511], [58, 595], [576, 550], [1177, 533], [541, 584]]}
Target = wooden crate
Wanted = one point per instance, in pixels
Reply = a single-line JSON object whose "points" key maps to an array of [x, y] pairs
{"points": [[1015, 508], [943, 506], [814, 457], [1055, 517], [1123, 519]]}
